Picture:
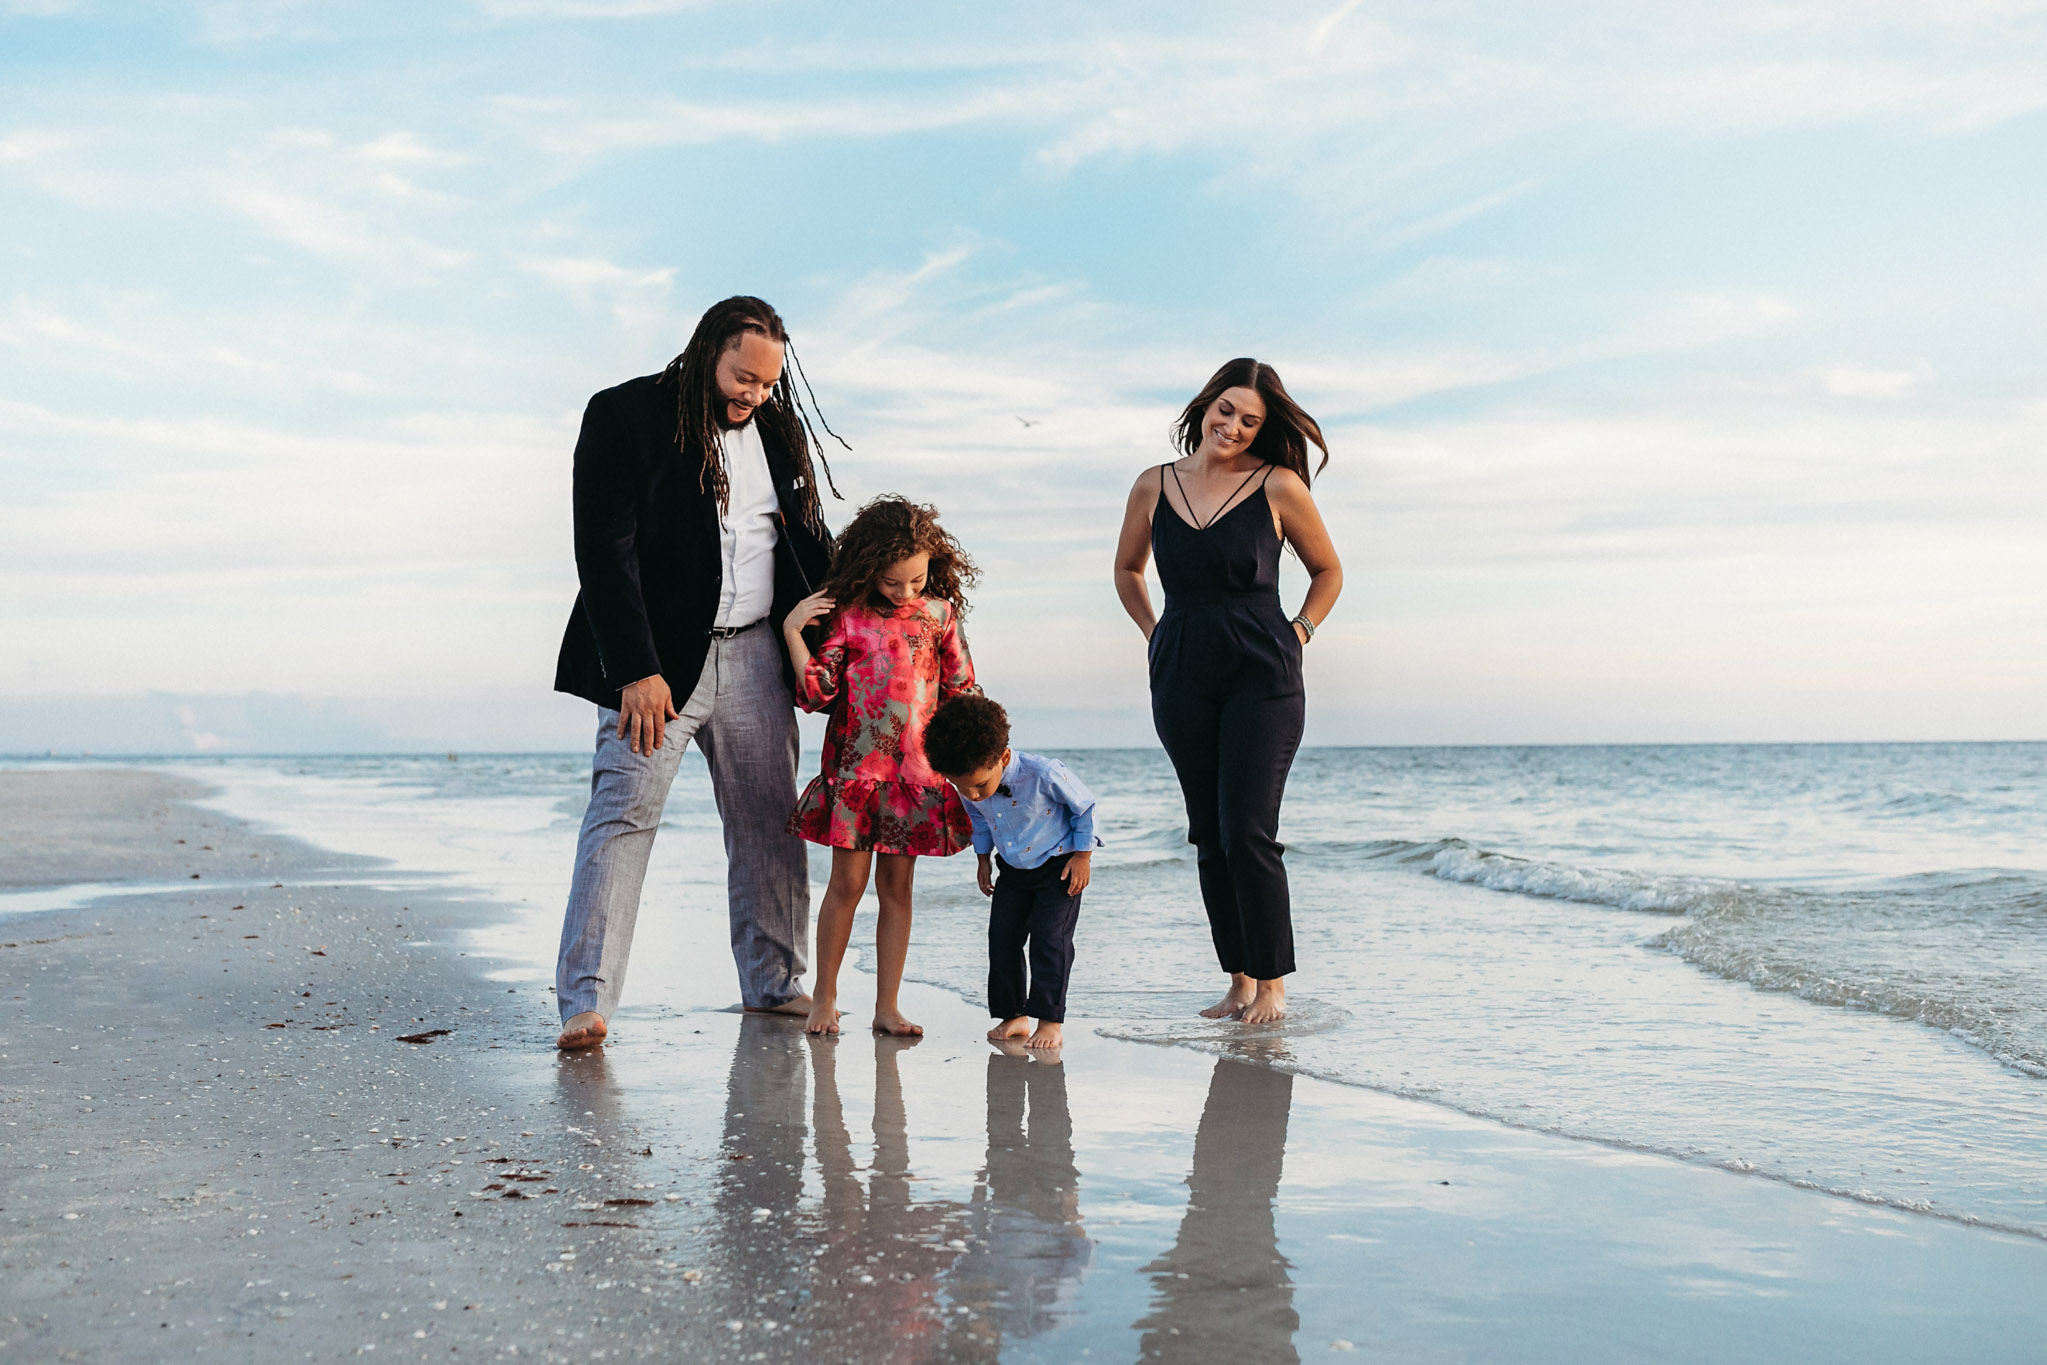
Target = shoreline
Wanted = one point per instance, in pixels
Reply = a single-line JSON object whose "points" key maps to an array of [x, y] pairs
{"points": [[1538, 1245]]}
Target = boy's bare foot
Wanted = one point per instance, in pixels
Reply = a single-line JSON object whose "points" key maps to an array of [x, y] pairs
{"points": [[582, 1030], [894, 1025], [1011, 1028], [824, 1015], [1047, 1034], [800, 1005], [1232, 1005], [1268, 1005]]}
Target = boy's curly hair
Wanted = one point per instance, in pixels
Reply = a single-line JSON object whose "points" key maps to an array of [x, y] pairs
{"points": [[965, 734], [891, 529]]}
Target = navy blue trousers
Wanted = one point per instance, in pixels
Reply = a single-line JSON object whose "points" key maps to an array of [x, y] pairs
{"points": [[1032, 911], [1228, 704]]}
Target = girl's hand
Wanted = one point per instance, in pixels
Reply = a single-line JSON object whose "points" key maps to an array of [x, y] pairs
{"points": [[807, 612], [1300, 634]]}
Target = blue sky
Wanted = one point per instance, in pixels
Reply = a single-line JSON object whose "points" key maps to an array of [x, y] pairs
{"points": [[1682, 364]]}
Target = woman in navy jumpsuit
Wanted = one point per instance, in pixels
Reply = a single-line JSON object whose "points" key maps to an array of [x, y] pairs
{"points": [[1225, 660]]}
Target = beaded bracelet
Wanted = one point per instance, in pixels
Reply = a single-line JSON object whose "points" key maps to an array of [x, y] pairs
{"points": [[1306, 625]]}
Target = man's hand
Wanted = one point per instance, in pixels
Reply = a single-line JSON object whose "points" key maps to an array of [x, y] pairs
{"points": [[644, 710], [984, 873], [1078, 872]]}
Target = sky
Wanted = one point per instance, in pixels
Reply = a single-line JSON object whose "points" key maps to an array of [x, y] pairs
{"points": [[1682, 364]]}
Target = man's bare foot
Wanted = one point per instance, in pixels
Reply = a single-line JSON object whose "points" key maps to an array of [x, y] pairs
{"points": [[800, 1005], [894, 1025], [1233, 1004], [824, 1014], [1047, 1034], [1268, 1005], [582, 1030], [1011, 1028]]}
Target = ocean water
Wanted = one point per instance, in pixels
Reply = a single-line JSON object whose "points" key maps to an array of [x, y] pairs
{"points": [[1821, 964]]}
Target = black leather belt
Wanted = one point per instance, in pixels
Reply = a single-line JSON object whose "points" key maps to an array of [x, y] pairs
{"points": [[727, 632]]}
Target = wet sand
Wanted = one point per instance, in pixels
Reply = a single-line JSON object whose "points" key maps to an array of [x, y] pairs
{"points": [[217, 1142]]}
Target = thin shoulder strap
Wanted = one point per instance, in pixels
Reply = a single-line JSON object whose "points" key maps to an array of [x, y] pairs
{"points": [[1231, 500], [1170, 468], [1268, 474]]}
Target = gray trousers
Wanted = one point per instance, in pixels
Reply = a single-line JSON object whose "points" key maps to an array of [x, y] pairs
{"points": [[742, 717]]}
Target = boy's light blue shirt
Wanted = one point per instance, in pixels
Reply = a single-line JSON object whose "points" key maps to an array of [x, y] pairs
{"points": [[1040, 811]]}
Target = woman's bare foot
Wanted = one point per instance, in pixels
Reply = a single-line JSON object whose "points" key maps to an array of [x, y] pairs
{"points": [[894, 1025], [1047, 1034], [824, 1015], [581, 1030], [1012, 1028], [800, 1005], [1233, 1004], [1268, 1005]]}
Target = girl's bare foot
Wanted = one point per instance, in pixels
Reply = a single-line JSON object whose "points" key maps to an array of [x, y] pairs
{"points": [[894, 1025], [1233, 1004], [581, 1031], [1268, 1005], [824, 1015], [1012, 1028], [1047, 1034]]}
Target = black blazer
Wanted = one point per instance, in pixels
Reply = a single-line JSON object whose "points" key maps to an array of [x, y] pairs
{"points": [[647, 551]]}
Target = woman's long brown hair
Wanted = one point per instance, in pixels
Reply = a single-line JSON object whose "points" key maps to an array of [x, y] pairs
{"points": [[1283, 437]]}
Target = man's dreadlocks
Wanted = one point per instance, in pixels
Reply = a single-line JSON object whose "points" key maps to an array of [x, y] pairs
{"points": [[698, 402]]}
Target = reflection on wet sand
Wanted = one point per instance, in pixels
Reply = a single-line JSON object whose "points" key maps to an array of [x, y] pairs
{"points": [[1223, 1292], [591, 1112], [1030, 1250], [760, 1183], [857, 1275], [877, 1260]]}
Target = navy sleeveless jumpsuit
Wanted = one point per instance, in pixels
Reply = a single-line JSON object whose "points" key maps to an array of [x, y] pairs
{"points": [[1227, 700]]}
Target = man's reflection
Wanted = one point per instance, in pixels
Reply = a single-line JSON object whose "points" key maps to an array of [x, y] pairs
{"points": [[761, 1182], [1223, 1292], [1030, 1249]]}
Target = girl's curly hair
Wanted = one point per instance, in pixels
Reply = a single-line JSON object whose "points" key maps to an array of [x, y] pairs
{"points": [[887, 531]]}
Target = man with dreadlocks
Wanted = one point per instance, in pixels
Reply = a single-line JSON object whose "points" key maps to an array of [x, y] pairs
{"points": [[697, 521]]}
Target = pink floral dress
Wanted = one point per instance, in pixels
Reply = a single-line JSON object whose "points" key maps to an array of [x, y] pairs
{"points": [[883, 673]]}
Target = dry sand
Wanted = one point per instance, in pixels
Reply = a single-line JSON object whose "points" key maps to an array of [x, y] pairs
{"points": [[217, 1143]]}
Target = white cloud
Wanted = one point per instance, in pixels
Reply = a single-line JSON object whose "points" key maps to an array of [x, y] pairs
{"points": [[302, 407], [634, 297], [34, 145], [1328, 23], [405, 147], [1855, 381]]}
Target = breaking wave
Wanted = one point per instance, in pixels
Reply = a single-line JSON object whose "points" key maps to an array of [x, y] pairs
{"points": [[1964, 951]]}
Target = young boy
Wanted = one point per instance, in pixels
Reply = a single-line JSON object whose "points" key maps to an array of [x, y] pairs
{"points": [[1037, 822]]}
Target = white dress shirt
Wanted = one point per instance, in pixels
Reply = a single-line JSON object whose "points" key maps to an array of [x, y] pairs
{"points": [[746, 533]]}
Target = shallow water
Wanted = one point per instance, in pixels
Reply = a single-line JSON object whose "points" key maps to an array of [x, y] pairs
{"points": [[1823, 964]]}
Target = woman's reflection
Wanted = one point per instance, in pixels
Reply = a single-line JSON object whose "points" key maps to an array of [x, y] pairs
{"points": [[1223, 1292], [1030, 1249]]}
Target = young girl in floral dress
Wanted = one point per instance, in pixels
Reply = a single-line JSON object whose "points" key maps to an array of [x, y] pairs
{"points": [[895, 595]]}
